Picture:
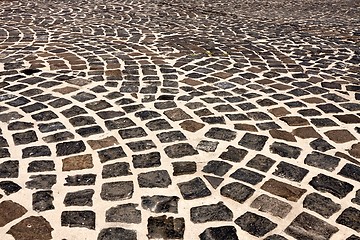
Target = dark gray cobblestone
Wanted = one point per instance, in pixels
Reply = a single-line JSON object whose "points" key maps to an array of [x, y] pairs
{"points": [[142, 119]]}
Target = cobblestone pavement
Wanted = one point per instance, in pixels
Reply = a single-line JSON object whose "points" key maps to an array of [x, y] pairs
{"points": [[191, 119]]}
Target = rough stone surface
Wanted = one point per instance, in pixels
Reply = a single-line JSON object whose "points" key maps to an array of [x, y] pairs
{"points": [[255, 224], [331, 185], [272, 205], [117, 233], [224, 233], [283, 190], [320, 204], [160, 204], [306, 226], [125, 213], [83, 219], [237, 192], [32, 228], [195, 188], [213, 212], [10, 211], [166, 227]]}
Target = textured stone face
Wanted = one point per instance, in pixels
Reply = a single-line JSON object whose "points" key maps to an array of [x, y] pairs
{"points": [[10, 211], [194, 188], [165, 228], [31, 228], [226, 233], [307, 226], [213, 212], [283, 190], [254, 224]]}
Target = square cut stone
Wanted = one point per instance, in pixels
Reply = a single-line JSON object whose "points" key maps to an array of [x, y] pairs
{"points": [[103, 143], [306, 226], [195, 188], [253, 141], [77, 162], [271, 205], [177, 114], [237, 192], [331, 185], [283, 190], [233, 154], [255, 224]]}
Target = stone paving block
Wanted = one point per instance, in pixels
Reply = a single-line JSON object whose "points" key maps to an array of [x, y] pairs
{"points": [[68, 148], [191, 126], [306, 226], [10, 211], [282, 134], [115, 191], [285, 150], [125, 213], [221, 134], [141, 145], [283, 190], [357, 198], [111, 154], [180, 150], [85, 219], [261, 163], [234, 154], [9, 169], [212, 212], [275, 237], [117, 233], [160, 204], [331, 185], [253, 141], [80, 180], [36, 151], [164, 227], [195, 188], [224, 232], [43, 201], [88, 131], [321, 145], [237, 192], [350, 171], [41, 181], [77, 162], [245, 175], [177, 114], [116, 170], [322, 161], [79, 198], [320, 204], [9, 187], [255, 224], [183, 168], [218, 168], [40, 229], [290, 171], [271, 205], [171, 136], [207, 146], [340, 136], [154, 179], [350, 217], [50, 127]]}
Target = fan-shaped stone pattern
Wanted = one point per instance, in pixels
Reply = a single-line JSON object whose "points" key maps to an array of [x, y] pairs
{"points": [[105, 104]]}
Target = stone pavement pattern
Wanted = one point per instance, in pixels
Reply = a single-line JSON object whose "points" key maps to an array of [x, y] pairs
{"points": [[155, 119]]}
